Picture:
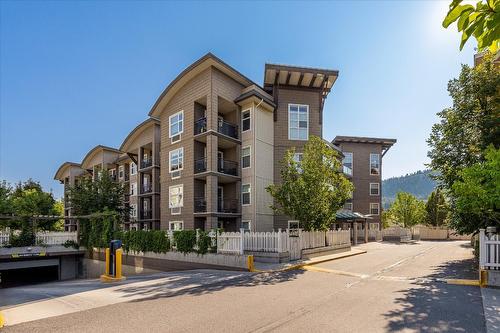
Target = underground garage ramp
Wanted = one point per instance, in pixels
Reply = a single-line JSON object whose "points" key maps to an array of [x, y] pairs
{"points": [[17, 273]]}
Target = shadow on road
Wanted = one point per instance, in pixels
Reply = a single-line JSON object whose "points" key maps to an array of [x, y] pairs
{"points": [[196, 284], [435, 306]]}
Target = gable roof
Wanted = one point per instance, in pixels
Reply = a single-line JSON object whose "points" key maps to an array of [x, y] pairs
{"points": [[95, 150], [63, 168], [195, 68], [136, 131]]}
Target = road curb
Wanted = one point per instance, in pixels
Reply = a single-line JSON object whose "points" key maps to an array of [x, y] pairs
{"points": [[308, 263], [463, 282]]}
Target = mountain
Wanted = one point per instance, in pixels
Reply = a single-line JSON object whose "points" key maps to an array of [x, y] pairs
{"points": [[420, 184]]}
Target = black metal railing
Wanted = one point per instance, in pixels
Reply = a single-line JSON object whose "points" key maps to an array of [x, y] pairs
{"points": [[227, 128], [227, 206], [147, 214], [200, 125], [146, 188], [227, 167], [200, 165], [146, 163], [200, 205]]}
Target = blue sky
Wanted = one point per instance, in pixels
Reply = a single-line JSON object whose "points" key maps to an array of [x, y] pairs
{"points": [[77, 74]]}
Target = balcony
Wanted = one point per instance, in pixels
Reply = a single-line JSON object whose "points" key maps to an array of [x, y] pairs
{"points": [[227, 206], [126, 197], [200, 205], [200, 126], [200, 165], [227, 167], [146, 188], [227, 128], [146, 163], [223, 127], [147, 214]]}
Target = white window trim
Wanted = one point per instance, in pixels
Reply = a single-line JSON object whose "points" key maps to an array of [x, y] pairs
{"points": [[378, 208], [169, 200], [133, 187], [250, 155], [133, 210], [170, 160], [249, 224], [170, 124], [352, 159], [370, 165], [174, 222], [289, 120], [132, 169], [249, 192], [348, 203], [121, 169], [378, 189], [250, 118]]}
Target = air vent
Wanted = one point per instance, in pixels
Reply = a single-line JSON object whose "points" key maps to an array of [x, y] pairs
{"points": [[175, 138], [175, 211], [176, 174]]}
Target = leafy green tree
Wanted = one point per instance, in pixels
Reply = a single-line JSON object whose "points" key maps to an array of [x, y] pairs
{"points": [[5, 198], [477, 195], [102, 194], [436, 208], [470, 125], [482, 22], [314, 189], [407, 210]]}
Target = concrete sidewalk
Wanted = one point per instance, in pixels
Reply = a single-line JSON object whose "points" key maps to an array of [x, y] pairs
{"points": [[491, 306], [271, 267]]}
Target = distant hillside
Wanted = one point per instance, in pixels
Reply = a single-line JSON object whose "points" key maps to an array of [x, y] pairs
{"points": [[419, 184]]}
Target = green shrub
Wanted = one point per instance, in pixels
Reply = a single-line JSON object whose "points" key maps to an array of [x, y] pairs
{"points": [[71, 243], [26, 238], [185, 240], [143, 241], [204, 242]]}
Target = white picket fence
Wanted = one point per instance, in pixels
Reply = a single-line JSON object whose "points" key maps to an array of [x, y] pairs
{"points": [[397, 232], [278, 241], [489, 250], [44, 237]]}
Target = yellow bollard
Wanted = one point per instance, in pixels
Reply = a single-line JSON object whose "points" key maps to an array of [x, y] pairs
{"points": [[483, 278], [251, 267], [106, 270], [118, 268]]}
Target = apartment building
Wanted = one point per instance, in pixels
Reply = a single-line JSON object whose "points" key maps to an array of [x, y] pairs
{"points": [[212, 144], [362, 163]]}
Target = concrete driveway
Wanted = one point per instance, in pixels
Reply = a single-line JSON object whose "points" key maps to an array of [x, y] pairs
{"points": [[391, 288]]}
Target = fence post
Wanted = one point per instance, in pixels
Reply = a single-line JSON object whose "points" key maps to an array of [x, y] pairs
{"points": [[482, 248], [279, 241], [242, 241]]}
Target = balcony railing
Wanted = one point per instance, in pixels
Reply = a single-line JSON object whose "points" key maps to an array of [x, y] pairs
{"points": [[146, 188], [200, 165], [200, 126], [200, 205], [147, 214], [227, 167], [227, 206], [146, 163], [227, 128]]}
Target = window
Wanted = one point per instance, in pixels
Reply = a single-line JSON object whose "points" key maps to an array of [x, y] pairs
{"points": [[374, 208], [133, 168], [246, 225], [245, 157], [133, 210], [347, 163], [121, 172], [245, 194], [348, 205], [245, 120], [293, 225], [374, 164], [298, 122], [176, 122], [374, 188], [176, 158], [175, 196], [176, 225], [133, 188]]}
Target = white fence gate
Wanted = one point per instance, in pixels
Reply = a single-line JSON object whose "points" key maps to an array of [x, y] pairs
{"points": [[489, 250]]}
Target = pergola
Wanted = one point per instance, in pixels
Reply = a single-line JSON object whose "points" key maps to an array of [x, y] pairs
{"points": [[353, 218]]}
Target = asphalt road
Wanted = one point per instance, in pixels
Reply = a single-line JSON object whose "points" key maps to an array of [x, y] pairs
{"points": [[391, 288]]}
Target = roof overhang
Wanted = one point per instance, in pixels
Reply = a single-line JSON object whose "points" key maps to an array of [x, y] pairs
{"points": [[257, 95], [189, 73], [136, 132], [347, 215], [94, 151], [384, 142], [63, 168]]}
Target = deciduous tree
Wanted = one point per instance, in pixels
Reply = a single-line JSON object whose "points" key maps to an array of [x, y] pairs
{"points": [[436, 208], [407, 210]]}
